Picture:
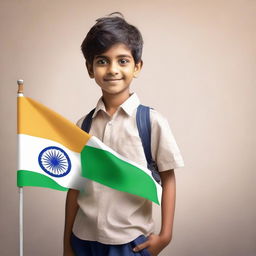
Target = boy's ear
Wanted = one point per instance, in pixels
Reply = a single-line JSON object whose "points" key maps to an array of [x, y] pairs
{"points": [[89, 69], [137, 69]]}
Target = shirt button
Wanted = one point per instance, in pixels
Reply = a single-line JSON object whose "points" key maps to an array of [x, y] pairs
{"points": [[110, 123]]}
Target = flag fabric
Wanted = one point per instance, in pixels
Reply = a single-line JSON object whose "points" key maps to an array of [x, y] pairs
{"points": [[55, 153]]}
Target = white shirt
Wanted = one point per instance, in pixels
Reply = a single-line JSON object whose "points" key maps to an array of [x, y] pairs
{"points": [[110, 216]]}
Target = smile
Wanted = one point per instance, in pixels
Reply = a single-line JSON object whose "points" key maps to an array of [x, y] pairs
{"points": [[110, 80]]}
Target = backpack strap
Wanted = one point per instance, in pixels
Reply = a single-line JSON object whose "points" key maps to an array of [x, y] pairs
{"points": [[86, 125], [144, 128]]}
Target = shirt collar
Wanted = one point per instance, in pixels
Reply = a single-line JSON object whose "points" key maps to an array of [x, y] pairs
{"points": [[128, 106], [100, 106], [131, 104]]}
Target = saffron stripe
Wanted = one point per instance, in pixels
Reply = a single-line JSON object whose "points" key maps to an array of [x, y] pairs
{"points": [[37, 120]]}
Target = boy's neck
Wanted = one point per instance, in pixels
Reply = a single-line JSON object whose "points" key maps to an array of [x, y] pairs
{"points": [[112, 102]]}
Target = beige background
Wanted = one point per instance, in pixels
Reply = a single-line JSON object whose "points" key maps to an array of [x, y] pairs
{"points": [[199, 71]]}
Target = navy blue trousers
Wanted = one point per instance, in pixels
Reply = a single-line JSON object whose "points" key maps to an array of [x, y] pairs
{"points": [[93, 248]]}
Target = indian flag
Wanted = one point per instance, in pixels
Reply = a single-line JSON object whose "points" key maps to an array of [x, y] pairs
{"points": [[55, 153]]}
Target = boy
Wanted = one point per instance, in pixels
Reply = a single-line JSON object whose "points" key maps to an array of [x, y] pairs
{"points": [[101, 221]]}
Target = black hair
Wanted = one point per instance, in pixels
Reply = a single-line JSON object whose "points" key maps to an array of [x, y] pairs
{"points": [[108, 31]]}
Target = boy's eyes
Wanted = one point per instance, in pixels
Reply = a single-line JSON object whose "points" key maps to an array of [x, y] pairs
{"points": [[104, 61], [101, 61], [124, 61]]}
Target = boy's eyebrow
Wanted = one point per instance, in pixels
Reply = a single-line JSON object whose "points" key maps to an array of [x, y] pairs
{"points": [[124, 55], [119, 56]]}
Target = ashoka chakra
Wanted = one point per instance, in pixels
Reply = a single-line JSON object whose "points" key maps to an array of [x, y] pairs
{"points": [[54, 161]]}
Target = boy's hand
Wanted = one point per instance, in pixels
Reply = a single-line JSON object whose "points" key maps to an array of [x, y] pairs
{"points": [[68, 252], [155, 244]]}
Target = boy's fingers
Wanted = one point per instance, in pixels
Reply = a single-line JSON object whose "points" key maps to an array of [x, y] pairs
{"points": [[141, 246]]}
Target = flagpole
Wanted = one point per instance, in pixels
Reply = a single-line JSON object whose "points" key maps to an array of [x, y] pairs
{"points": [[21, 220], [20, 94]]}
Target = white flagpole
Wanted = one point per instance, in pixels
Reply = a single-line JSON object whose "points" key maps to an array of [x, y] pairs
{"points": [[21, 220], [20, 94]]}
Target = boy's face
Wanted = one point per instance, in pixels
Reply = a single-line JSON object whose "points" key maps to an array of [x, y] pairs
{"points": [[114, 70]]}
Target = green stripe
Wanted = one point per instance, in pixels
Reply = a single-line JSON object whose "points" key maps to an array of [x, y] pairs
{"points": [[33, 179], [102, 166]]}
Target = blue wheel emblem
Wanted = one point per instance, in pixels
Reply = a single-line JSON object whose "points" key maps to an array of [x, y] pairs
{"points": [[54, 161]]}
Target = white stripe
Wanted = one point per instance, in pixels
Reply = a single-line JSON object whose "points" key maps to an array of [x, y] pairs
{"points": [[96, 143], [29, 149]]}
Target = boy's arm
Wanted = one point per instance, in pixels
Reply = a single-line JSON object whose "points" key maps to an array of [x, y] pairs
{"points": [[156, 243], [168, 204], [70, 214]]}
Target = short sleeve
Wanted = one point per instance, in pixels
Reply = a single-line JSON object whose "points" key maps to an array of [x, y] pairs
{"points": [[164, 148]]}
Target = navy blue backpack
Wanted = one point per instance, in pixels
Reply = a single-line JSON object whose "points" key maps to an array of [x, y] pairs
{"points": [[144, 128]]}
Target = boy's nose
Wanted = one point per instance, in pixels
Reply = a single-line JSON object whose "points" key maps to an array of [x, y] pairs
{"points": [[113, 69]]}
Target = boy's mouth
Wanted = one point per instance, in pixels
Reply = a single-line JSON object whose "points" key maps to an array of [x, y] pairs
{"points": [[109, 80]]}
